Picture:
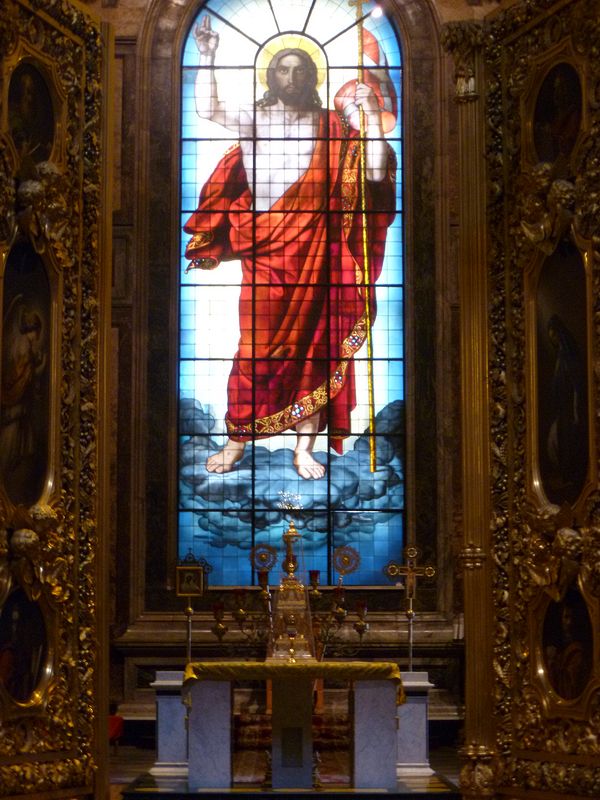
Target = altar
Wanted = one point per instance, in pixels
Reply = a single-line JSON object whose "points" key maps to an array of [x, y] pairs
{"points": [[376, 692]]}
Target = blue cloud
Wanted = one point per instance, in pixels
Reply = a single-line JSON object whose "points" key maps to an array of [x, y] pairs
{"points": [[350, 490]]}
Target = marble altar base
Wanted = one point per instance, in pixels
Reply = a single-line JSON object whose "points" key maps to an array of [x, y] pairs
{"points": [[413, 726], [377, 688], [171, 729]]}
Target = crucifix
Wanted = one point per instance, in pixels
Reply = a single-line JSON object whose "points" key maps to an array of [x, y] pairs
{"points": [[410, 571]]}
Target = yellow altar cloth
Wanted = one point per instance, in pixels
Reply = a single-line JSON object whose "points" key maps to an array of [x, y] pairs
{"points": [[270, 670]]}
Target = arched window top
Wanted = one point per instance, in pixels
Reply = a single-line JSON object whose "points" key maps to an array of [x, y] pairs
{"points": [[332, 27]]}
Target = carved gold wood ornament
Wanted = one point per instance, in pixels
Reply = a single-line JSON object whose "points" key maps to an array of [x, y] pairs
{"points": [[50, 202], [542, 196], [542, 162]]}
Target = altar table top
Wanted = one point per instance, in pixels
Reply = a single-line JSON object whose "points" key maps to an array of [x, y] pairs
{"points": [[270, 670]]}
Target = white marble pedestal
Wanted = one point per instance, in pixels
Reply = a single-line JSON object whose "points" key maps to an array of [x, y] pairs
{"points": [[375, 746], [207, 688], [171, 729], [413, 729], [210, 735]]}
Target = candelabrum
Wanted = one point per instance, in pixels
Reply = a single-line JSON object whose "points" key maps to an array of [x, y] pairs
{"points": [[302, 622], [253, 620], [330, 614]]}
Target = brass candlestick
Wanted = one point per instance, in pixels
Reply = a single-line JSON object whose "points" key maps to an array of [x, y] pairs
{"points": [[219, 629], [361, 626]]}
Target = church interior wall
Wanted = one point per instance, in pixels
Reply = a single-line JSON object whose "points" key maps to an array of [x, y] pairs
{"points": [[144, 307], [501, 220]]}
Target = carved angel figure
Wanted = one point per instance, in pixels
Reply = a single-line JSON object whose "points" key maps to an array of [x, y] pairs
{"points": [[548, 208]]}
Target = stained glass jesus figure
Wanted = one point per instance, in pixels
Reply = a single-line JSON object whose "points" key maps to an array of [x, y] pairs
{"points": [[287, 202]]}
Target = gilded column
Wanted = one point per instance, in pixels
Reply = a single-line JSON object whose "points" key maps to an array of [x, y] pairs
{"points": [[478, 774]]}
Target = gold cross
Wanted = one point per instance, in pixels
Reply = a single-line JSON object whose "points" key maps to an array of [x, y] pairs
{"points": [[409, 570]]}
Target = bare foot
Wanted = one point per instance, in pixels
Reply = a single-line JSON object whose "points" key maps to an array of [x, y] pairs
{"points": [[306, 466], [227, 458]]}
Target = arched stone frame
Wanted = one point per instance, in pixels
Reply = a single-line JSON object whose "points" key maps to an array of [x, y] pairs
{"points": [[428, 346]]}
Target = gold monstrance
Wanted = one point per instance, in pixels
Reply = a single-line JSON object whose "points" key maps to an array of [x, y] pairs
{"points": [[291, 633]]}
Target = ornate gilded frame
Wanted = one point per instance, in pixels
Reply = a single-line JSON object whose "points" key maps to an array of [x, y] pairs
{"points": [[533, 272], [523, 553], [51, 204], [42, 198], [547, 207], [562, 52], [540, 549], [553, 704]]}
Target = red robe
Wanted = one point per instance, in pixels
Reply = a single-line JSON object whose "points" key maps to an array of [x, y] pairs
{"points": [[302, 302]]}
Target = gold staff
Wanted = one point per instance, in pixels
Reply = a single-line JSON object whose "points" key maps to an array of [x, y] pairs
{"points": [[365, 244]]}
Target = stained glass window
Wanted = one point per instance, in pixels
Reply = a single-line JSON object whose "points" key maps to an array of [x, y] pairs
{"points": [[291, 368]]}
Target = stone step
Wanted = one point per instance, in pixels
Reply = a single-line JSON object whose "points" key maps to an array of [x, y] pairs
{"points": [[146, 787]]}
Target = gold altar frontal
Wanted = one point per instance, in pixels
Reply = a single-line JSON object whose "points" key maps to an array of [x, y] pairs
{"points": [[272, 670]]}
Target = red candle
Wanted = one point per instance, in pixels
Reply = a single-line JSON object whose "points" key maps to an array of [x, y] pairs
{"points": [[263, 578]]}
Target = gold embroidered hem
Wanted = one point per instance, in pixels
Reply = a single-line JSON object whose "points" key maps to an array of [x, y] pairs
{"points": [[307, 406]]}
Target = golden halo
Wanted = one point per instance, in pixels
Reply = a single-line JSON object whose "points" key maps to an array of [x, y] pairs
{"points": [[285, 41]]}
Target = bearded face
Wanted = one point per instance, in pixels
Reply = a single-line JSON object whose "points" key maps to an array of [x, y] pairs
{"points": [[292, 78]]}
